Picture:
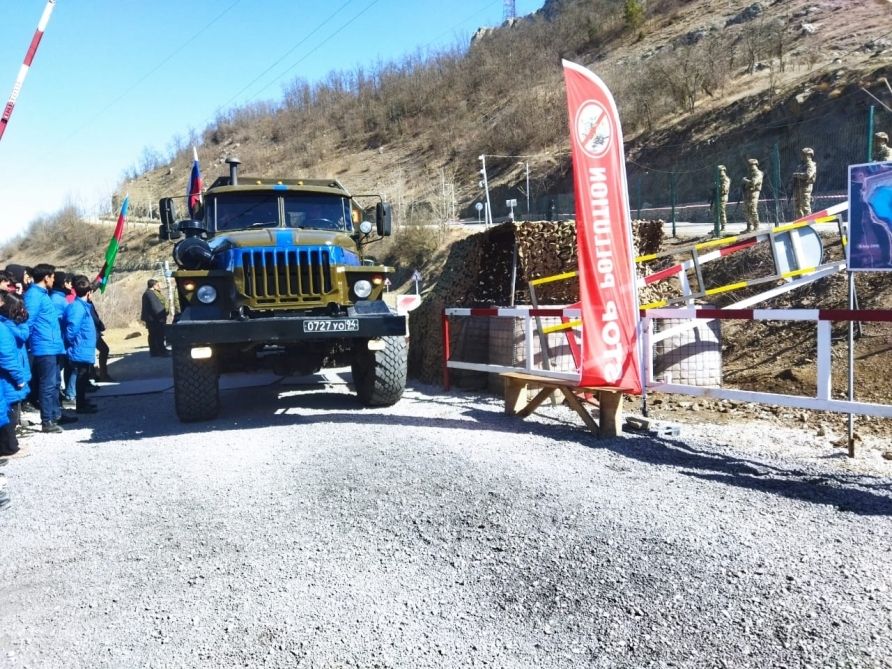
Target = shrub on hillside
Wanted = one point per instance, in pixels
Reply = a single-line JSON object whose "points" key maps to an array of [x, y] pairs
{"points": [[414, 245], [60, 234]]}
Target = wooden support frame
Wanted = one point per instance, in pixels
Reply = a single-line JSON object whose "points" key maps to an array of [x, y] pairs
{"points": [[610, 401]]}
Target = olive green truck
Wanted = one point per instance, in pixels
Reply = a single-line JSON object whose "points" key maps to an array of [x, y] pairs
{"points": [[272, 274]]}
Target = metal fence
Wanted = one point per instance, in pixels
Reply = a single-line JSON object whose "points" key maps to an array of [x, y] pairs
{"points": [[682, 185]]}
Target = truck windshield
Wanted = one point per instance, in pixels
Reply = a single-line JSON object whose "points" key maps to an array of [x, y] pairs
{"points": [[245, 210], [238, 211], [321, 212]]}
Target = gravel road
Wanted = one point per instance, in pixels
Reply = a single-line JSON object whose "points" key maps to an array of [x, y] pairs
{"points": [[305, 531]]}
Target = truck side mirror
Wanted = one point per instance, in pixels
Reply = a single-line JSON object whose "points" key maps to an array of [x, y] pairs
{"points": [[168, 229], [383, 219]]}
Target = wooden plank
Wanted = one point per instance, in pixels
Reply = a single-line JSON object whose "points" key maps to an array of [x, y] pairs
{"points": [[514, 395], [610, 417], [548, 381], [574, 402], [535, 402], [610, 400]]}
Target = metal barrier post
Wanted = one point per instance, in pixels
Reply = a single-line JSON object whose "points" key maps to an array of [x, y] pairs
{"points": [[528, 340], [851, 377], [543, 338], [824, 360], [672, 196], [776, 185], [446, 352], [870, 122], [646, 361]]}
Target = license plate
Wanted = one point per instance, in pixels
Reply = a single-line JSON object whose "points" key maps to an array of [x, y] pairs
{"points": [[332, 325]]}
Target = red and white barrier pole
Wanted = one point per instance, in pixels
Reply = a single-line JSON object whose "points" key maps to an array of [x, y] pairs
{"points": [[26, 65]]}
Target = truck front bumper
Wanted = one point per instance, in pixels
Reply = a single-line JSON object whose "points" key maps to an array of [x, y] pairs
{"points": [[284, 330]]}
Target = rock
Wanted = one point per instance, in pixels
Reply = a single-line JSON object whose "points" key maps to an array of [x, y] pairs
{"points": [[809, 28], [691, 38], [877, 45], [805, 11], [748, 14], [133, 335], [887, 455]]}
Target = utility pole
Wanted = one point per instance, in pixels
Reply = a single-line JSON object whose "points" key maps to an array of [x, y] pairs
{"points": [[488, 212], [509, 10]]}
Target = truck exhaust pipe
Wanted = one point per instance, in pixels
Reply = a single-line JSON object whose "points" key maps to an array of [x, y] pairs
{"points": [[233, 170]]}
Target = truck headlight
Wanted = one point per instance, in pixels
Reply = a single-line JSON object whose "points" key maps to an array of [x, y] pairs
{"points": [[206, 294], [362, 288]]}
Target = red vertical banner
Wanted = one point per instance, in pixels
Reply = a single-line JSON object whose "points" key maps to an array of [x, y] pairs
{"points": [[607, 286]]}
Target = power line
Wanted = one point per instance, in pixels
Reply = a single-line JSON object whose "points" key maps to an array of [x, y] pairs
{"points": [[354, 18], [157, 67], [315, 49], [463, 21], [286, 54]]}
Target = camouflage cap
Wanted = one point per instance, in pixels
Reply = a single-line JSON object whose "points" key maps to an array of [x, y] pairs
{"points": [[807, 151], [883, 136], [752, 161]]}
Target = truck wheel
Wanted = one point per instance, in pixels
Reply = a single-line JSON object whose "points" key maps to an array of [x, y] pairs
{"points": [[196, 387], [380, 376]]}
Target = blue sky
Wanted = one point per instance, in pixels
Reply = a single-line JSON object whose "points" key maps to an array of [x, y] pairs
{"points": [[112, 78]]}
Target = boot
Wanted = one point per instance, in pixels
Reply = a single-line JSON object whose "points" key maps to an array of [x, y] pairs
{"points": [[103, 374]]}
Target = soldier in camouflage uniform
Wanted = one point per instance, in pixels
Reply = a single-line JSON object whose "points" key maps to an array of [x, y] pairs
{"points": [[803, 182], [882, 152], [724, 189], [752, 186]]}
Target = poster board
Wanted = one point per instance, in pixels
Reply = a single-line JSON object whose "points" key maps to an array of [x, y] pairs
{"points": [[870, 218]]}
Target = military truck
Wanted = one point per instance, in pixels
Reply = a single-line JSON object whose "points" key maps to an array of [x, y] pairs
{"points": [[273, 273]]}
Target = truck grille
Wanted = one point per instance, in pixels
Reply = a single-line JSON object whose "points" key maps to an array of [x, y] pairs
{"points": [[277, 276]]}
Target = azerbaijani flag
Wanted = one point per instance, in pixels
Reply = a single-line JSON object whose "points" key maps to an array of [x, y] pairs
{"points": [[111, 253], [193, 189]]}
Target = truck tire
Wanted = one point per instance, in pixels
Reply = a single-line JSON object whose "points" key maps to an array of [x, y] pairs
{"points": [[196, 387], [380, 376]]}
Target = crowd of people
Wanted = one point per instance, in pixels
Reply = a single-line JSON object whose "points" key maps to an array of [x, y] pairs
{"points": [[50, 333]]}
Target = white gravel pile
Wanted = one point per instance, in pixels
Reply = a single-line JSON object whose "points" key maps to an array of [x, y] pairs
{"points": [[302, 530]]}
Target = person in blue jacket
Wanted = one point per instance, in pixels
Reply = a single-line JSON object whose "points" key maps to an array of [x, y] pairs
{"points": [[80, 341], [13, 382], [46, 347], [61, 295], [12, 309]]}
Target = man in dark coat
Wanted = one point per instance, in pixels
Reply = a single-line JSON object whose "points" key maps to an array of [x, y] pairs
{"points": [[154, 315]]}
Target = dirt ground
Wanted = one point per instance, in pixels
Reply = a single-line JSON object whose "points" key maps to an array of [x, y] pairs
{"points": [[129, 357]]}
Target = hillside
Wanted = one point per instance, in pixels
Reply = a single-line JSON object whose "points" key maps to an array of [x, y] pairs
{"points": [[697, 83]]}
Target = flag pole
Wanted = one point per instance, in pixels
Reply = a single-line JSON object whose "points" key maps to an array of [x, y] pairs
{"points": [[114, 244], [26, 65]]}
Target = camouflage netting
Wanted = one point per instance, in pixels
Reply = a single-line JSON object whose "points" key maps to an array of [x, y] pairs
{"points": [[477, 273]]}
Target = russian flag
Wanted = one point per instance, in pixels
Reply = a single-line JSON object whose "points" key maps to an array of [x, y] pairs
{"points": [[193, 190]]}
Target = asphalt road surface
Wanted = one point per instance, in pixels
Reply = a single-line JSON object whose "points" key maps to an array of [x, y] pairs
{"points": [[302, 530]]}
